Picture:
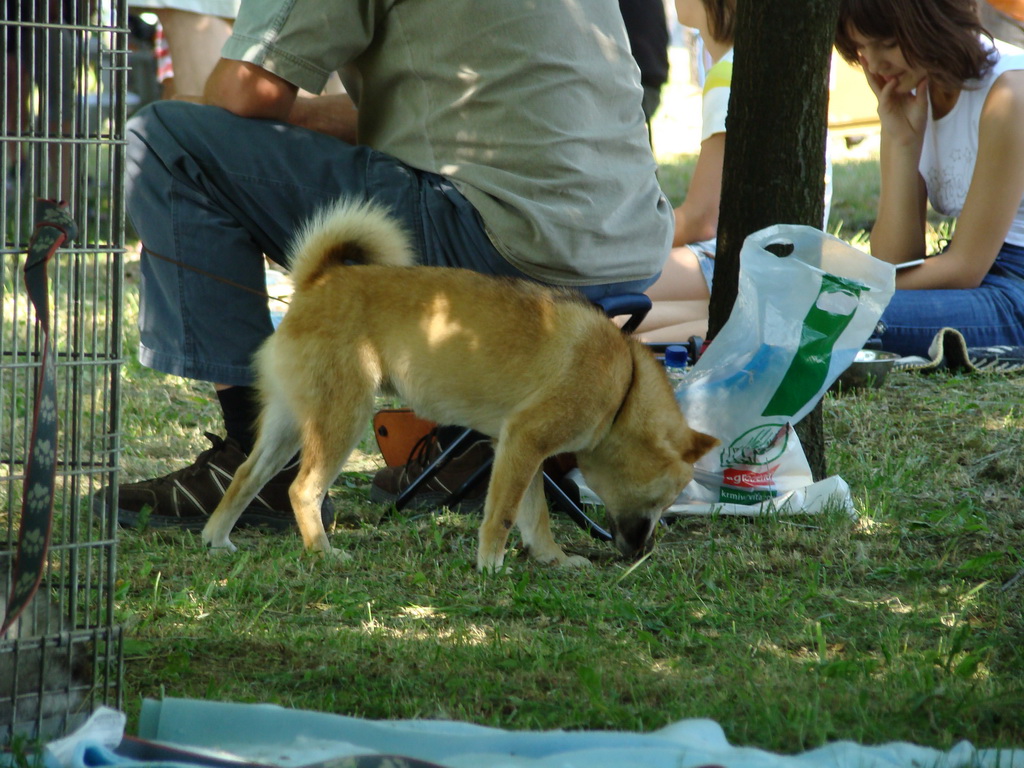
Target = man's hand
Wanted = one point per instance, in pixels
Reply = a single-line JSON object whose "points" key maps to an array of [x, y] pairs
{"points": [[334, 115]]}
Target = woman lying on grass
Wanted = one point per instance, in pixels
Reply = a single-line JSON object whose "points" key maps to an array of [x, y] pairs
{"points": [[952, 133]]}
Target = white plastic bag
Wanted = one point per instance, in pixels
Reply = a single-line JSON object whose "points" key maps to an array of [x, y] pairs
{"points": [[797, 324]]}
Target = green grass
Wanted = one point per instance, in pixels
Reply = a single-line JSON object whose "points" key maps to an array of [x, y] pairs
{"points": [[855, 193], [789, 632]]}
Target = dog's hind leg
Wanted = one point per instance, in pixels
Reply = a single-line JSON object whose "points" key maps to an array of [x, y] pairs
{"points": [[276, 444], [328, 438], [535, 528]]}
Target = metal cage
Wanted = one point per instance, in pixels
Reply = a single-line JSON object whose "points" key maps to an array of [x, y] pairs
{"points": [[64, 71]]}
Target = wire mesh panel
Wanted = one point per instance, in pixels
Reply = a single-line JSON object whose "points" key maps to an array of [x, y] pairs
{"points": [[64, 70]]}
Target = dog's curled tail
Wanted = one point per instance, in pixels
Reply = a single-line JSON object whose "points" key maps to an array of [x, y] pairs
{"points": [[348, 232]]}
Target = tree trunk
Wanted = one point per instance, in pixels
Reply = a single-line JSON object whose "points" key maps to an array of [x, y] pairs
{"points": [[774, 169]]}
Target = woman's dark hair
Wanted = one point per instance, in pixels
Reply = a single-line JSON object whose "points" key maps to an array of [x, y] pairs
{"points": [[722, 18], [943, 37]]}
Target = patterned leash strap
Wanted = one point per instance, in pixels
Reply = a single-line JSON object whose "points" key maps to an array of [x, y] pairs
{"points": [[54, 227]]}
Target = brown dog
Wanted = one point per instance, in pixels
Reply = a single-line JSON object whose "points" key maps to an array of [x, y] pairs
{"points": [[540, 370]]}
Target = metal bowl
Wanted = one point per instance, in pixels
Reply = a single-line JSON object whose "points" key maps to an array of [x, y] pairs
{"points": [[869, 369]]}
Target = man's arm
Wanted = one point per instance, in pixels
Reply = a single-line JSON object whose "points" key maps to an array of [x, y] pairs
{"points": [[248, 90]]}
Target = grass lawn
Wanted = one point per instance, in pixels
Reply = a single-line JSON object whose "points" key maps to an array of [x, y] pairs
{"points": [[789, 632]]}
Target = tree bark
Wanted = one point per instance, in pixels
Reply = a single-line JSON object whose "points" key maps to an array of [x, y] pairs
{"points": [[774, 168]]}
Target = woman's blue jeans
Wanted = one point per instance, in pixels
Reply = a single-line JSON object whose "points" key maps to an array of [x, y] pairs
{"points": [[990, 315]]}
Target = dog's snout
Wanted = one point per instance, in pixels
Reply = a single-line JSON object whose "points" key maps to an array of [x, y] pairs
{"points": [[633, 538]]}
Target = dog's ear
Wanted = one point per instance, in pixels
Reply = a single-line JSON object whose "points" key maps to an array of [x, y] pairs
{"points": [[699, 444]]}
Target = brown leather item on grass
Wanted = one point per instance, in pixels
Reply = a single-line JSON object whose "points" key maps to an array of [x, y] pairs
{"points": [[397, 431]]}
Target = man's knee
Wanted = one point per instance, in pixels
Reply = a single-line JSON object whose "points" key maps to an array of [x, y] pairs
{"points": [[175, 138], [165, 116]]}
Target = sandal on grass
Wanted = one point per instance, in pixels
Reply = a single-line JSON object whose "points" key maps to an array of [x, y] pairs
{"points": [[949, 352]]}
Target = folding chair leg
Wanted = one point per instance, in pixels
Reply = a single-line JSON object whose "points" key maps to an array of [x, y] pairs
{"points": [[565, 503], [437, 465], [456, 496], [557, 496]]}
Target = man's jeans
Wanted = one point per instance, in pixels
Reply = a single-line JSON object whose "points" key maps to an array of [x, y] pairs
{"points": [[210, 193]]}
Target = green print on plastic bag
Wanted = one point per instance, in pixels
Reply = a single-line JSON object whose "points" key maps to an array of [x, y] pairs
{"points": [[748, 473], [825, 322], [758, 446]]}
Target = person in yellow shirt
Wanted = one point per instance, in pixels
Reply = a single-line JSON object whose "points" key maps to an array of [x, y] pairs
{"points": [[680, 296]]}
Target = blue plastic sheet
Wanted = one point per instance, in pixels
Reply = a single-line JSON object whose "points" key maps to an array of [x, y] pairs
{"points": [[271, 735]]}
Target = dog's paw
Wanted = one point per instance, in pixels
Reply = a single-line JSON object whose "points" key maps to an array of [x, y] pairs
{"points": [[220, 548], [556, 558], [574, 561], [489, 563], [335, 555]]}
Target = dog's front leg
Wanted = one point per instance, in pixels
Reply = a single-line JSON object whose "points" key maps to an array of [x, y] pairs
{"points": [[499, 518], [511, 475], [535, 527]]}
